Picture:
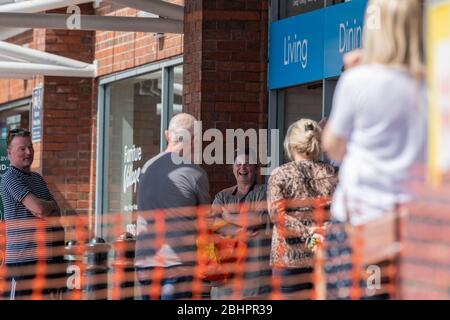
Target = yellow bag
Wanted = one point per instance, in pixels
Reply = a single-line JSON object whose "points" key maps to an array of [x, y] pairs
{"points": [[217, 253]]}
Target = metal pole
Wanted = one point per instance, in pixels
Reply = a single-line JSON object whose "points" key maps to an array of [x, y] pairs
{"points": [[107, 23], [19, 70], [161, 8], [32, 6]]}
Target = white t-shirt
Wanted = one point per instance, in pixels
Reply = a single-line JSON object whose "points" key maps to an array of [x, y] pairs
{"points": [[382, 113]]}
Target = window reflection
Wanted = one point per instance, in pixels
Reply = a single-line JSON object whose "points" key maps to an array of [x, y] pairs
{"points": [[135, 128], [290, 8]]}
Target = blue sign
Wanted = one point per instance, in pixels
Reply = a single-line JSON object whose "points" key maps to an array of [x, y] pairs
{"points": [[310, 46], [36, 124], [343, 33], [296, 48]]}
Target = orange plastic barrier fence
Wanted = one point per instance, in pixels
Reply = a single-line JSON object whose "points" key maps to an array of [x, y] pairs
{"points": [[190, 261]]}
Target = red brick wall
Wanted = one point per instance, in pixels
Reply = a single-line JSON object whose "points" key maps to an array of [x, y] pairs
{"points": [[118, 51], [69, 124], [225, 76]]}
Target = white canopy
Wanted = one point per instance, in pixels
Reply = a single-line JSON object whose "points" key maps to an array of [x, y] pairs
{"points": [[23, 63]]}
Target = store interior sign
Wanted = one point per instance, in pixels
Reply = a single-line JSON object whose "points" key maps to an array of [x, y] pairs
{"points": [[438, 64], [310, 46], [294, 7]]}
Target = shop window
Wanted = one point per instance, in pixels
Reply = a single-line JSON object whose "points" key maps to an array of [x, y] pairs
{"points": [[290, 8], [137, 112], [135, 125], [178, 90], [302, 102]]}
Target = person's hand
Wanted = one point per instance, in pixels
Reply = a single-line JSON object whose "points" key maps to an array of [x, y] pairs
{"points": [[353, 59], [218, 224], [319, 230], [322, 123], [227, 215], [315, 241]]}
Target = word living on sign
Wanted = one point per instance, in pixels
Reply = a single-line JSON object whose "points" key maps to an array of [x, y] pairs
{"points": [[295, 51]]}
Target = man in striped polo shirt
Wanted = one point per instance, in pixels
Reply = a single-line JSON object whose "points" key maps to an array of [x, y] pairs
{"points": [[33, 232]]}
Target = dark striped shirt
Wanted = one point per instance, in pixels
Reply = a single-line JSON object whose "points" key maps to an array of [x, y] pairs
{"points": [[23, 229]]}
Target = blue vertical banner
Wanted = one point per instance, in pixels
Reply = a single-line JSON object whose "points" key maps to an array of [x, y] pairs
{"points": [[343, 33], [36, 118], [296, 50]]}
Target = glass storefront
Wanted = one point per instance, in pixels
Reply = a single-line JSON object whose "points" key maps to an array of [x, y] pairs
{"points": [[135, 125], [290, 8], [304, 101], [137, 111], [178, 89]]}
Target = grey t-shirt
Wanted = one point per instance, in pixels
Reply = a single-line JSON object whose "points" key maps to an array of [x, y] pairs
{"points": [[254, 199], [175, 191]]}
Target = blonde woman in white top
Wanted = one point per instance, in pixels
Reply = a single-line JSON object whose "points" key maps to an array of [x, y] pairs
{"points": [[377, 128]]}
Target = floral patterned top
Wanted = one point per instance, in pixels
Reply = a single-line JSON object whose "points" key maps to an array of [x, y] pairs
{"points": [[297, 180]]}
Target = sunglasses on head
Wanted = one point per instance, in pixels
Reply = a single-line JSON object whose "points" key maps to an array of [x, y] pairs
{"points": [[19, 131]]}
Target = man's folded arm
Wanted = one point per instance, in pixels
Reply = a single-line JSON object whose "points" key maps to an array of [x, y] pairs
{"points": [[41, 208]]}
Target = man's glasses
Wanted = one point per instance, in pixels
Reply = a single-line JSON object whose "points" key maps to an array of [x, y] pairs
{"points": [[19, 132]]}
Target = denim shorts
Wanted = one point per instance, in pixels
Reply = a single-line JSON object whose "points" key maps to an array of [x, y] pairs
{"points": [[169, 286]]}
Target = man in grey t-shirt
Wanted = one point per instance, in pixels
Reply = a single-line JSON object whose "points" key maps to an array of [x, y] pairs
{"points": [[169, 196]]}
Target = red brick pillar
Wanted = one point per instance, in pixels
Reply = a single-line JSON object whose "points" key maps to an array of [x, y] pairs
{"points": [[69, 124], [225, 74]]}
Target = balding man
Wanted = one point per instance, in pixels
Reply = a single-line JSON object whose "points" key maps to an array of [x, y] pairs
{"points": [[168, 196]]}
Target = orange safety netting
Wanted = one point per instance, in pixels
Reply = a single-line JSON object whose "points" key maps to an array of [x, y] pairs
{"points": [[185, 257]]}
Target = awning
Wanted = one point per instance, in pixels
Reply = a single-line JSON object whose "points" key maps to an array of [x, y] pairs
{"points": [[23, 63]]}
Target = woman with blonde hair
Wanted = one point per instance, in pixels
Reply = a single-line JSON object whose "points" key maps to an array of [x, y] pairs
{"points": [[377, 126], [305, 177]]}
